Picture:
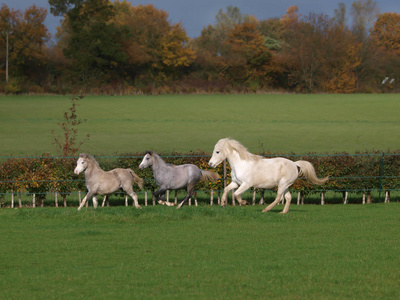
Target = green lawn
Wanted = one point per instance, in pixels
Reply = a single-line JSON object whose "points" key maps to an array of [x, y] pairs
{"points": [[314, 252], [279, 123]]}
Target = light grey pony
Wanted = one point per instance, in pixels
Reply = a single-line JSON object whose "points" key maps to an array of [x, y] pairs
{"points": [[171, 177], [99, 182]]}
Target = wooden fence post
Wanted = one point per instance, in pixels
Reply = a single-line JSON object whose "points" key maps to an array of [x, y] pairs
{"points": [[56, 199], [12, 199], [145, 198]]}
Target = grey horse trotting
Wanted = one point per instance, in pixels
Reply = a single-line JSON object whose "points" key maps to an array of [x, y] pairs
{"points": [[172, 177], [99, 182]]}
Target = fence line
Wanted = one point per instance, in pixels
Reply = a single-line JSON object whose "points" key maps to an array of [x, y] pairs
{"points": [[377, 183]]}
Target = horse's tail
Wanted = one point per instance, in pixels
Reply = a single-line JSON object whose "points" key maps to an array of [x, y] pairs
{"points": [[307, 170], [209, 175], [137, 179]]}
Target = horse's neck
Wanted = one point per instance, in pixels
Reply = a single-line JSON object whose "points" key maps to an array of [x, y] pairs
{"points": [[92, 169], [234, 160], [158, 163]]}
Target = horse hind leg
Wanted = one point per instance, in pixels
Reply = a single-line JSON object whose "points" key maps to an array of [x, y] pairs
{"points": [[288, 197], [279, 195], [135, 199], [189, 190]]}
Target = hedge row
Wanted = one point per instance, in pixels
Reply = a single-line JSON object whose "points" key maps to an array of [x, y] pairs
{"points": [[361, 172]]}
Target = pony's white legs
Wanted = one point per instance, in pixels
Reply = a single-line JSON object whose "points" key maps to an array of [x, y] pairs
{"points": [[95, 202], [288, 197], [238, 193], [231, 186], [88, 195], [135, 200], [104, 200], [228, 188], [279, 195], [82, 203]]}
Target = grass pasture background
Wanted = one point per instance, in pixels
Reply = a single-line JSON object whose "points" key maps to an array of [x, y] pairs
{"points": [[314, 252], [182, 123]]}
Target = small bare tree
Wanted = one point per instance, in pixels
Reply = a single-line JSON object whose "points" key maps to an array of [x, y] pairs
{"points": [[67, 142]]}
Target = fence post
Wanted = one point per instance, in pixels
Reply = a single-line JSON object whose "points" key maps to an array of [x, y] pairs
{"points": [[380, 177], [224, 173]]}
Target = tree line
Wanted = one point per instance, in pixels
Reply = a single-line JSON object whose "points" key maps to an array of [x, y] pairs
{"points": [[106, 47]]}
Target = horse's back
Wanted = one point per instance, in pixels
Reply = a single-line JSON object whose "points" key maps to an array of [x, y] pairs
{"points": [[269, 172]]}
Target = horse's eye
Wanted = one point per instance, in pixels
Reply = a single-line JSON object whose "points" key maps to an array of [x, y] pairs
{"points": [[83, 162], [217, 152], [147, 158]]}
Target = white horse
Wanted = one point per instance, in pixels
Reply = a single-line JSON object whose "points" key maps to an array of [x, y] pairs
{"points": [[250, 170]]}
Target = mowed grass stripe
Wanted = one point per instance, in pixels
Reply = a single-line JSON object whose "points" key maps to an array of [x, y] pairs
{"points": [[278, 123]]}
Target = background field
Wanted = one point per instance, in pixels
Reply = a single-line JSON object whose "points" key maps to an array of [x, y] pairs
{"points": [[279, 123], [314, 252]]}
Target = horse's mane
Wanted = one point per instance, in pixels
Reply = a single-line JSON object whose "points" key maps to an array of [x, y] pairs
{"points": [[157, 157], [90, 158], [244, 154]]}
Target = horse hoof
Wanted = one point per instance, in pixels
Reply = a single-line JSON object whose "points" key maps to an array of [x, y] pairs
{"points": [[138, 207]]}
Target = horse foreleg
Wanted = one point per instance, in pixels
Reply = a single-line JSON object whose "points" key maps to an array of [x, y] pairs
{"points": [[231, 186], [104, 200], [88, 195], [160, 199], [238, 193], [288, 197], [279, 195]]}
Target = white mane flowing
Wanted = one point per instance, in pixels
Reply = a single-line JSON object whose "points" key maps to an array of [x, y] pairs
{"points": [[233, 145]]}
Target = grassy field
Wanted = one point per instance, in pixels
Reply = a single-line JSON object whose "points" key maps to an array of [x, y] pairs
{"points": [[279, 123], [314, 252]]}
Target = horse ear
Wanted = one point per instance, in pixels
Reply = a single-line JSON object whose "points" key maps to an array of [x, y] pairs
{"points": [[82, 155], [149, 152]]}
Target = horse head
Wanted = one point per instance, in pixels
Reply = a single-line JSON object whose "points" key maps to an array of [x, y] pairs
{"points": [[219, 153], [82, 163], [147, 160]]}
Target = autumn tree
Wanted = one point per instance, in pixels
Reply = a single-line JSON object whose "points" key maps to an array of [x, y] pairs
{"points": [[304, 50], [26, 36], [155, 49], [211, 47], [91, 40], [248, 58], [386, 32], [345, 77]]}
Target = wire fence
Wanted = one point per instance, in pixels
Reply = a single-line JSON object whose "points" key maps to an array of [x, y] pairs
{"points": [[361, 173]]}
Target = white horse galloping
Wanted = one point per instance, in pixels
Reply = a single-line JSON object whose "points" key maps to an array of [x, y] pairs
{"points": [[250, 170]]}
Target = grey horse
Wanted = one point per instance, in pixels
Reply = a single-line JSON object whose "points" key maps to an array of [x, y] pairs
{"points": [[171, 177], [99, 182]]}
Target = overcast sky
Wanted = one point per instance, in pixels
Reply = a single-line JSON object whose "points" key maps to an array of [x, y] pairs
{"points": [[196, 14]]}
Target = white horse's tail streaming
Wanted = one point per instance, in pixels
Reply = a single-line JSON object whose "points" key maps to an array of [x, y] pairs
{"points": [[137, 179], [307, 170], [209, 175]]}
